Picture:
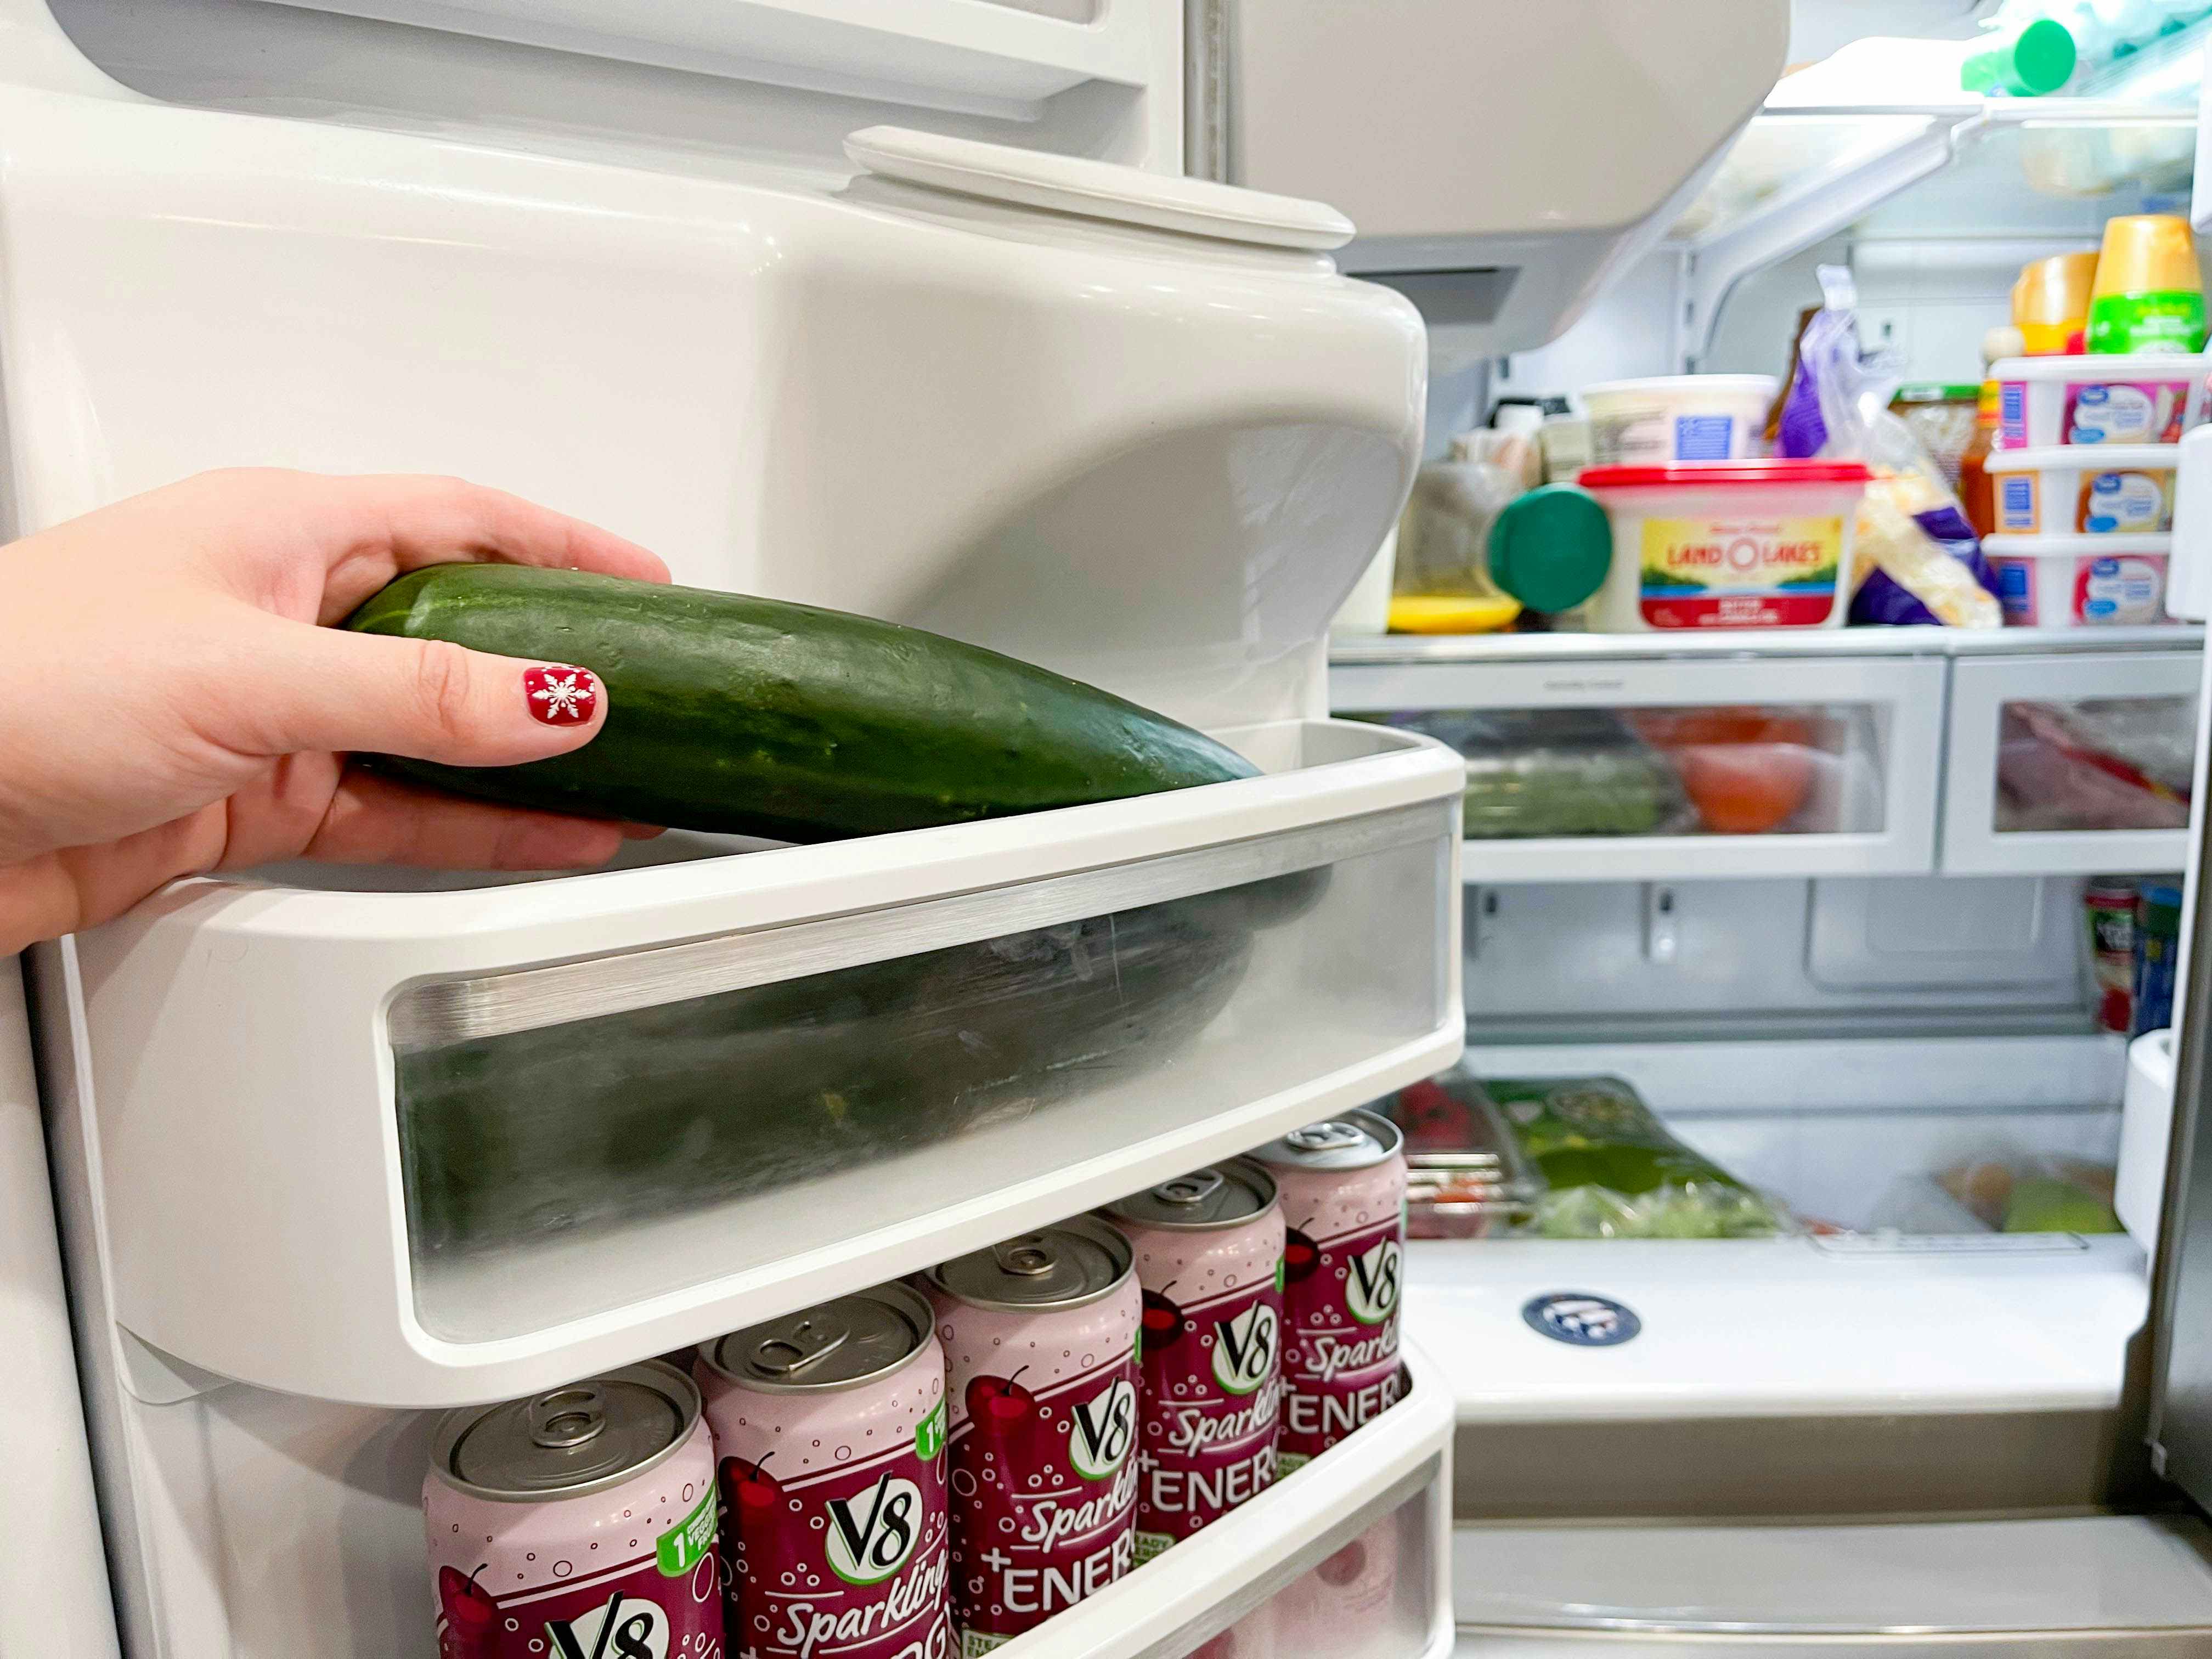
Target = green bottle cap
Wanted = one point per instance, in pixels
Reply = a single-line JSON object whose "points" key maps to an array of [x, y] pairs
{"points": [[1551, 548], [2039, 59]]}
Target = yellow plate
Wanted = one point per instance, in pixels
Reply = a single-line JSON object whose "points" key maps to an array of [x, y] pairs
{"points": [[1452, 615]]}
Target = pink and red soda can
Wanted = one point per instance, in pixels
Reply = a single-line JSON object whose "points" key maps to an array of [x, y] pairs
{"points": [[1040, 1335], [578, 1523], [1342, 1184], [1209, 1250], [829, 1432]]}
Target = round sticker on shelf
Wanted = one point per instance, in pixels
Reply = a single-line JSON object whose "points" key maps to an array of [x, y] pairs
{"points": [[1585, 1321]]}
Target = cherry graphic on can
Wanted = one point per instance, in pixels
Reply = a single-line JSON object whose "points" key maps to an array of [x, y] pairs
{"points": [[1212, 1361], [1342, 1186], [577, 1522], [1040, 1336], [842, 1546]]}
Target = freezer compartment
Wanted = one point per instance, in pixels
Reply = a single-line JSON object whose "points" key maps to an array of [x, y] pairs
{"points": [[415, 1147], [2071, 764], [1661, 770]]}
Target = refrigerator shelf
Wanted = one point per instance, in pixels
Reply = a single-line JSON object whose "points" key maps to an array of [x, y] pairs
{"points": [[424, 1147], [1744, 1328]]}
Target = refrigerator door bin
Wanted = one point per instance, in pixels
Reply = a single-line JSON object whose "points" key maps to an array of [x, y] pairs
{"points": [[327, 1499], [1663, 770], [414, 1148], [2074, 763], [1356, 1563]]}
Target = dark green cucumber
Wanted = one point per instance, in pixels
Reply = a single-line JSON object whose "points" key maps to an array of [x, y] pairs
{"points": [[754, 717]]}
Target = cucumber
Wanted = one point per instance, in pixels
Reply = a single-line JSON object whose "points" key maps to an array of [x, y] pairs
{"points": [[753, 717], [599, 1123]]}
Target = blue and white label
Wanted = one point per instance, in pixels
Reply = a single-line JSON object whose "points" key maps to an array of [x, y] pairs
{"points": [[1581, 1320], [2123, 501], [1705, 437]]}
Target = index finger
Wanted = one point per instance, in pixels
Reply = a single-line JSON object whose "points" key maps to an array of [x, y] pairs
{"points": [[398, 522]]}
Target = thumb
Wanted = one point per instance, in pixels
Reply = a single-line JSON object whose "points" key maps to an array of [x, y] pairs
{"points": [[322, 688]]}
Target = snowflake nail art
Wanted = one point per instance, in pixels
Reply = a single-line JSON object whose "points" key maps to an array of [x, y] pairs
{"points": [[560, 697]]}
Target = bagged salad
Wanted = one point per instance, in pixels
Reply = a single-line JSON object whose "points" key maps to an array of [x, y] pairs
{"points": [[1612, 1171], [1916, 559]]}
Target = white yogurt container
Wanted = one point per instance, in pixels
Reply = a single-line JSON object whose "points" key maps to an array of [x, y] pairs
{"points": [[2139, 398], [2080, 581], [1729, 545], [1678, 417], [2071, 489]]}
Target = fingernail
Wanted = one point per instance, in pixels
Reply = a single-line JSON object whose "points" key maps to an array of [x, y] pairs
{"points": [[560, 695]]}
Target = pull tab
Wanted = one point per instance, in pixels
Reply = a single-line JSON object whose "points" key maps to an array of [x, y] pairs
{"points": [[1029, 1257], [1192, 1189], [1330, 1137], [567, 1418], [807, 1341]]}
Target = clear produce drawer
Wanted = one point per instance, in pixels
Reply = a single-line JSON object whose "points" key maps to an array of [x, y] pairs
{"points": [[1663, 770], [413, 1148], [2073, 764]]}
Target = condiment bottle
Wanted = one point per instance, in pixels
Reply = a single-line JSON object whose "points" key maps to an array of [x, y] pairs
{"points": [[2148, 296]]}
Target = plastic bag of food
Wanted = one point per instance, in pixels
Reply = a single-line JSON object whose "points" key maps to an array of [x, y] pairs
{"points": [[1443, 534], [1465, 1178], [1555, 772], [2039, 1193], [1612, 1171], [1915, 558]]}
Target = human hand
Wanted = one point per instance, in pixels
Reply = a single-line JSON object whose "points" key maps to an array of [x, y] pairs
{"points": [[172, 707]]}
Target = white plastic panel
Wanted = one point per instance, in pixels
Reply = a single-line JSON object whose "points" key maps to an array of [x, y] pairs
{"points": [[788, 388], [998, 57], [269, 1217], [53, 1579], [1838, 757], [2074, 763], [1786, 1328]]}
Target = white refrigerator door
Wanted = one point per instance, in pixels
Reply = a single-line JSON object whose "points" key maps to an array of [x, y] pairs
{"points": [[53, 1579]]}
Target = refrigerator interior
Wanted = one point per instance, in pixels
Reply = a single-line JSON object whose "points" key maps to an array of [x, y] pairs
{"points": [[1861, 985]]}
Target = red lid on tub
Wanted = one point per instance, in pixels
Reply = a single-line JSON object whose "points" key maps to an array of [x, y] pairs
{"points": [[1725, 473]]}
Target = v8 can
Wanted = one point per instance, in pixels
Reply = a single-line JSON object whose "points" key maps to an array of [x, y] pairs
{"points": [[1209, 1248], [1040, 1338], [577, 1524], [1343, 1187], [830, 1429]]}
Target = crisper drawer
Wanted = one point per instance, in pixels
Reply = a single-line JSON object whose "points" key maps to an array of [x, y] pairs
{"points": [[2070, 764], [417, 1147], [1670, 769]]}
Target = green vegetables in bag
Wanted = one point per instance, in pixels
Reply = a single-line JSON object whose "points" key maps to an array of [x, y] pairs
{"points": [[1613, 1170]]}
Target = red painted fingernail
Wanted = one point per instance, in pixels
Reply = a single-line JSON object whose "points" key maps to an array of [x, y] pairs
{"points": [[560, 697]]}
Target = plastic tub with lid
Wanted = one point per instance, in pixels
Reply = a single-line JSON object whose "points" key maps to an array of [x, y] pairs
{"points": [[1729, 545], [1678, 417], [2080, 581], [2112, 489], [2143, 397]]}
